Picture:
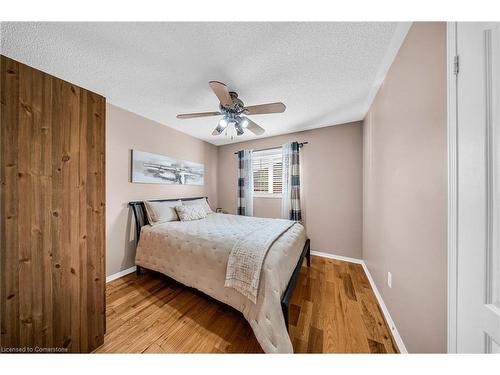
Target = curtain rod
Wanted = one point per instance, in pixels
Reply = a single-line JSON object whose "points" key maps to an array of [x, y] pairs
{"points": [[272, 148]]}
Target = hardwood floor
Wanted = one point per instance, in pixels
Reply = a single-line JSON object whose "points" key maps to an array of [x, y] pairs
{"points": [[333, 310]]}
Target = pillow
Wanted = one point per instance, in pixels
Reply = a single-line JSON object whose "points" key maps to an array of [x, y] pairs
{"points": [[161, 212], [192, 212], [200, 202]]}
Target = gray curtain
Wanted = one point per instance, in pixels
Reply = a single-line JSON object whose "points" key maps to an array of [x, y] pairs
{"points": [[245, 183], [290, 202]]}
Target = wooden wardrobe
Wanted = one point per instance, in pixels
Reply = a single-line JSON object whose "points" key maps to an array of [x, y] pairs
{"points": [[52, 230]]}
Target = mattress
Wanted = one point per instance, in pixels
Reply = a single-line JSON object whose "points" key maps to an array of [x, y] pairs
{"points": [[196, 253]]}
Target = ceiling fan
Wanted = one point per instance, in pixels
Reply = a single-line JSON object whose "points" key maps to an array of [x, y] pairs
{"points": [[232, 109]]}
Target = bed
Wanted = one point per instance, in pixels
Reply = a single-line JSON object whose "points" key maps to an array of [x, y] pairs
{"points": [[196, 253]]}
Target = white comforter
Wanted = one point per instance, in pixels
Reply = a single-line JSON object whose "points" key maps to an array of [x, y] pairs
{"points": [[196, 254]]}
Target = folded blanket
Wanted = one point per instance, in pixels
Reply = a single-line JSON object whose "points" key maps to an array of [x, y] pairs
{"points": [[247, 256]]}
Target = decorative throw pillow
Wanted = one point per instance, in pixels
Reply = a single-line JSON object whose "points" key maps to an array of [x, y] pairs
{"points": [[192, 212], [161, 212], [201, 202]]}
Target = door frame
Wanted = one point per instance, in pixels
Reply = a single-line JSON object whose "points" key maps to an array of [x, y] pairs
{"points": [[451, 46], [453, 203]]}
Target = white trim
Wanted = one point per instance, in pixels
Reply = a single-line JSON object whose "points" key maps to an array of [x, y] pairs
{"points": [[397, 40], [120, 274], [267, 195], [452, 187], [338, 257], [397, 337], [385, 310]]}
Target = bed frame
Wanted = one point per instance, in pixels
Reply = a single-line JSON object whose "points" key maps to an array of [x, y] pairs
{"points": [[141, 220]]}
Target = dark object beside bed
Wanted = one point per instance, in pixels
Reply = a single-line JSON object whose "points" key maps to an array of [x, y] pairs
{"points": [[141, 220]]}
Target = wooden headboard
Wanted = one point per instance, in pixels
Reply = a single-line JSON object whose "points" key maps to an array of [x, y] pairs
{"points": [[140, 211]]}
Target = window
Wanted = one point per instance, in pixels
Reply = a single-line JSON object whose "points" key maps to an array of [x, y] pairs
{"points": [[267, 173]]}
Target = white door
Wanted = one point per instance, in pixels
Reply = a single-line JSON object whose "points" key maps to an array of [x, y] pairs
{"points": [[478, 187]]}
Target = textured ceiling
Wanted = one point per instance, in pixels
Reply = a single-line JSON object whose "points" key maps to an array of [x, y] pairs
{"points": [[325, 73]]}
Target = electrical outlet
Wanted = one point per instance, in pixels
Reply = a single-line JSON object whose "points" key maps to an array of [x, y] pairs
{"points": [[389, 279]]}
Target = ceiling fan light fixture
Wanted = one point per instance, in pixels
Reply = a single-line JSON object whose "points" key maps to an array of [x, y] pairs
{"points": [[239, 128], [223, 122], [244, 122], [221, 126]]}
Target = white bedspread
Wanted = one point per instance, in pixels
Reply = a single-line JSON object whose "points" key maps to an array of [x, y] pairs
{"points": [[196, 253]]}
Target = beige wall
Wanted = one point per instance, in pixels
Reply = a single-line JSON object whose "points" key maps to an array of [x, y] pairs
{"points": [[126, 131], [405, 191], [331, 183], [267, 207]]}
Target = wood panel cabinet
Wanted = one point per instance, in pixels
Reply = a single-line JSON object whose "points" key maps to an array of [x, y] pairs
{"points": [[52, 230]]}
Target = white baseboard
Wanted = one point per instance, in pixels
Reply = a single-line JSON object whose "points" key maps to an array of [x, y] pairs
{"points": [[338, 257], [120, 274], [385, 311], [387, 315]]}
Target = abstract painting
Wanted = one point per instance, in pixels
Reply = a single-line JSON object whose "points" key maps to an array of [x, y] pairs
{"points": [[159, 169]]}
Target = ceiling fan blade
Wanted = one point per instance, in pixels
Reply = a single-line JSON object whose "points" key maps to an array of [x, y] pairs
{"points": [[265, 108], [253, 127], [222, 93], [200, 114]]}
